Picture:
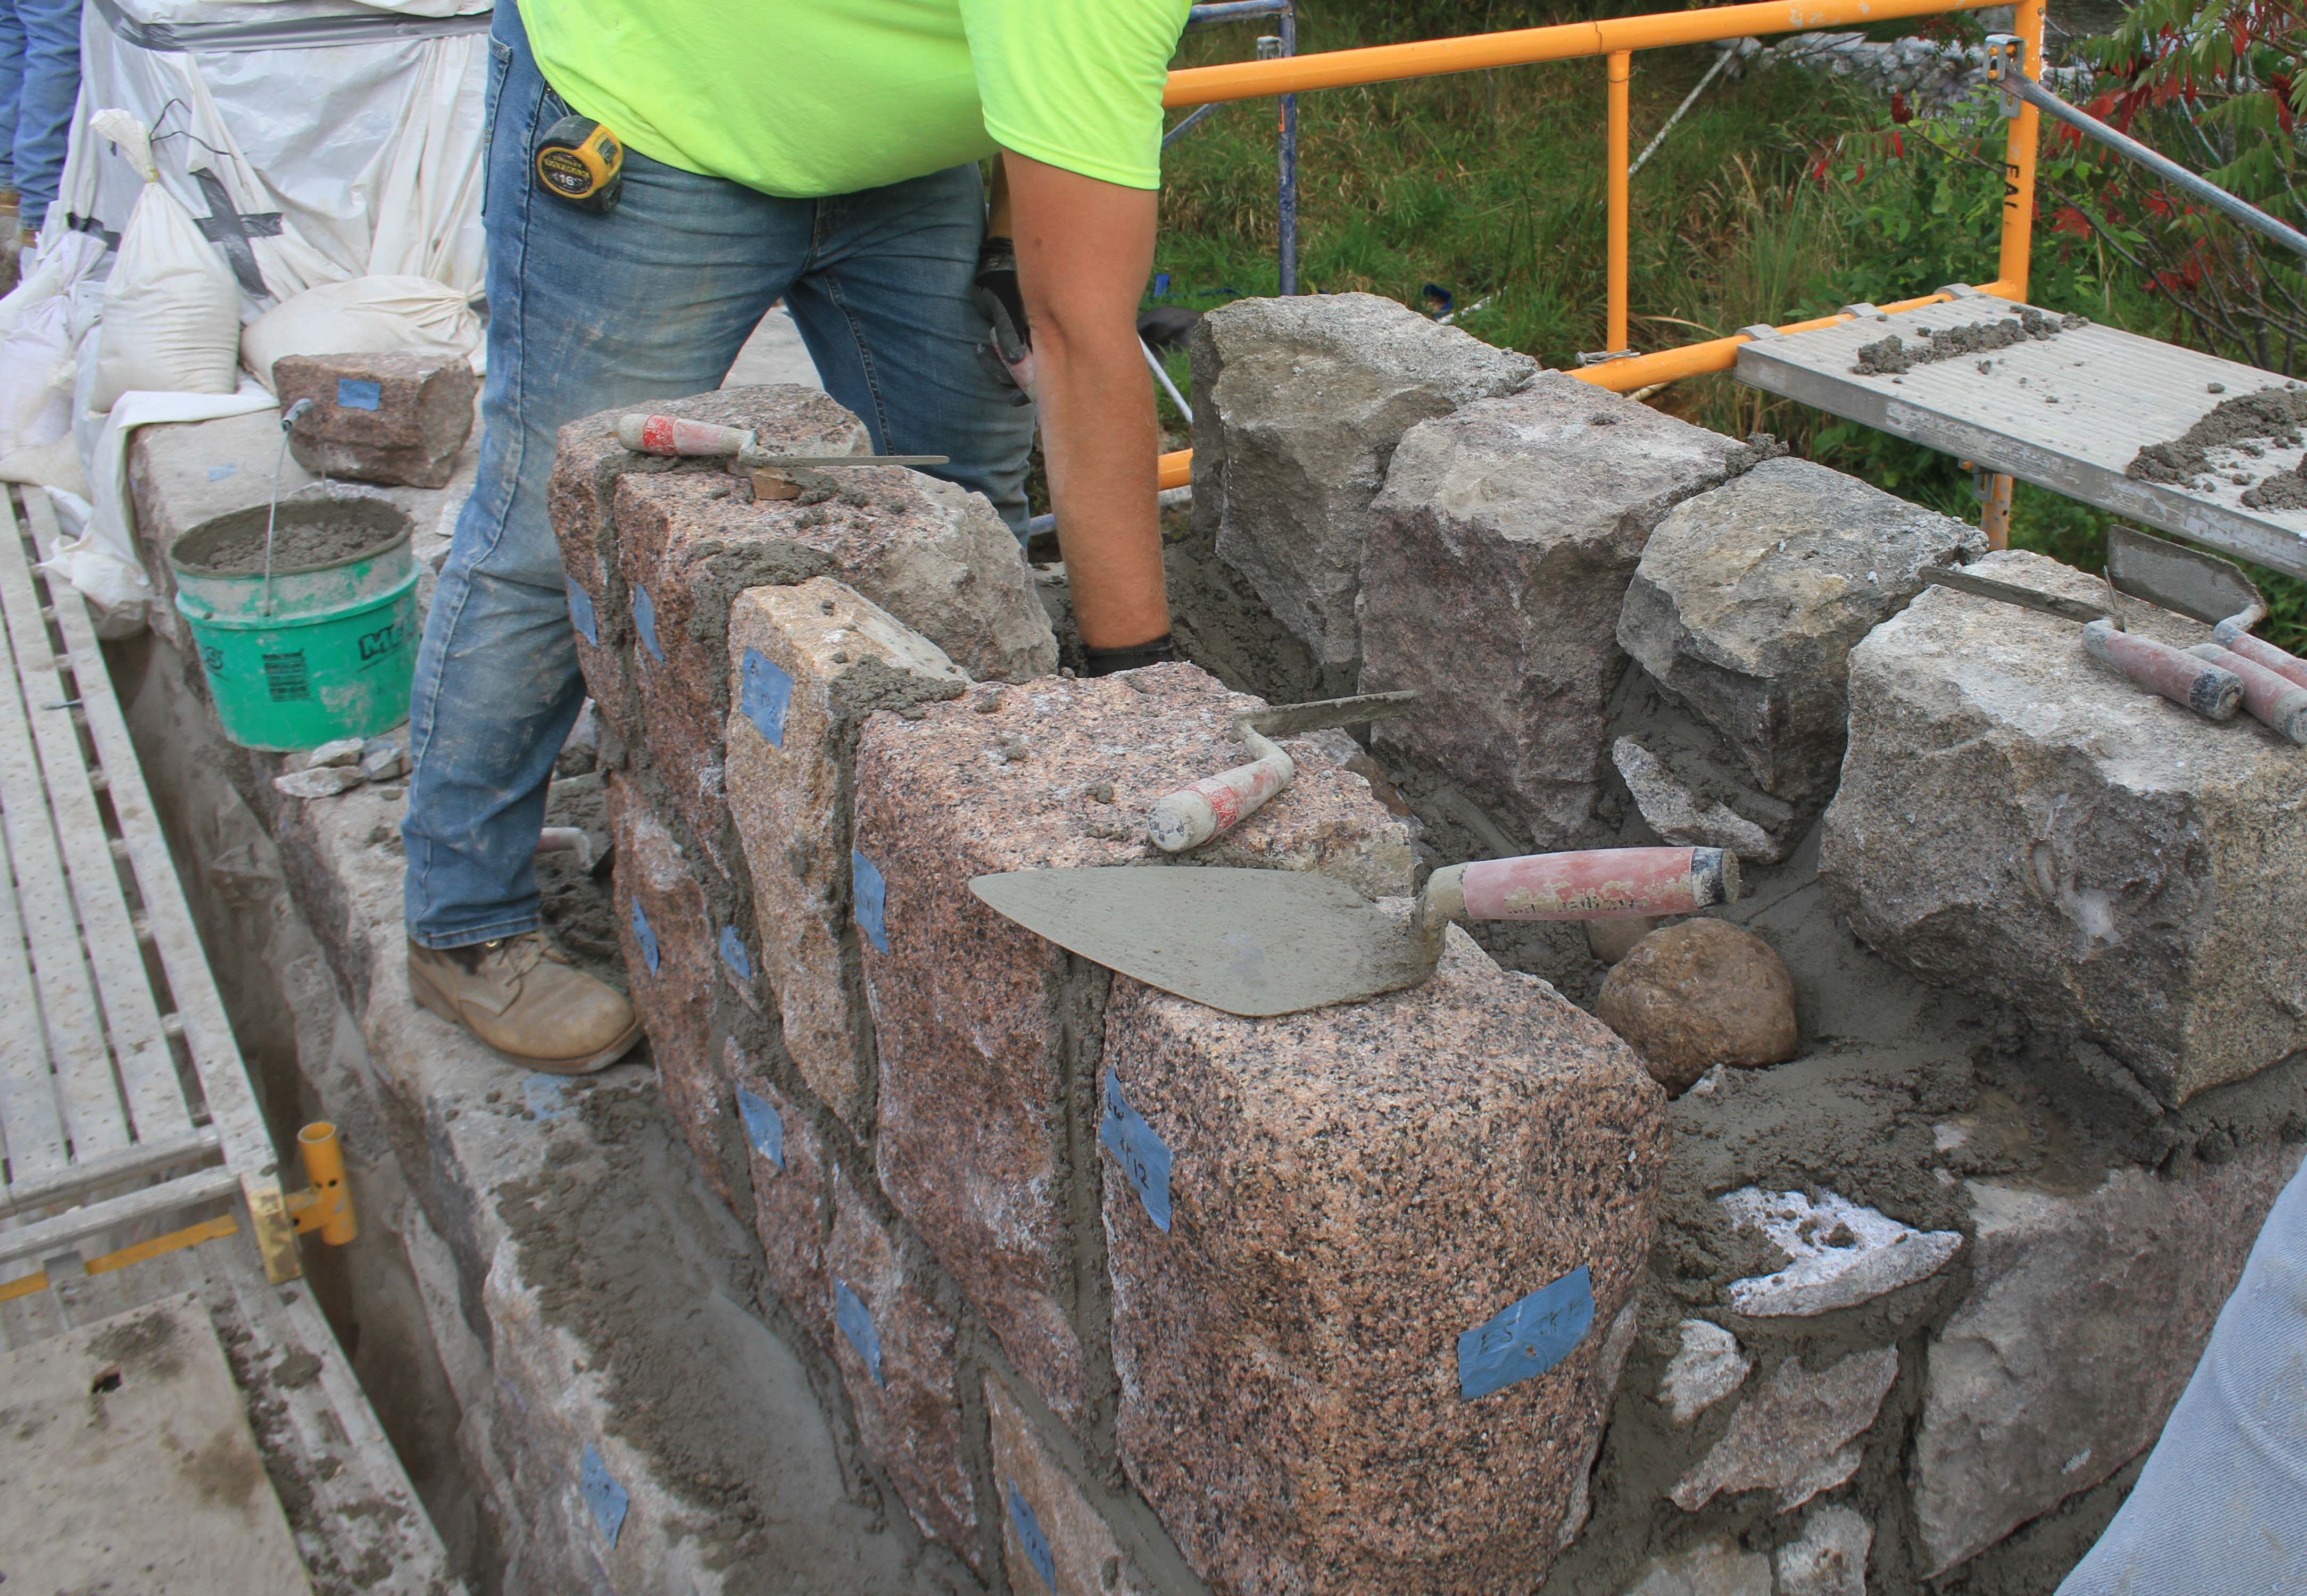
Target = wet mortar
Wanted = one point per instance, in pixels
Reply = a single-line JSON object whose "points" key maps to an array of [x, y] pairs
{"points": [[1894, 355], [299, 542], [2248, 424]]}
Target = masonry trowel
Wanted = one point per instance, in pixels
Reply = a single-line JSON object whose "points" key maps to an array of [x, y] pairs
{"points": [[1276, 941]]}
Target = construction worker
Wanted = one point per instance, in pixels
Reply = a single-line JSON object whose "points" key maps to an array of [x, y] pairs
{"points": [[824, 152]]}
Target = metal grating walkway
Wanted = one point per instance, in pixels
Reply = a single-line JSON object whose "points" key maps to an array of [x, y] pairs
{"points": [[2068, 413]]}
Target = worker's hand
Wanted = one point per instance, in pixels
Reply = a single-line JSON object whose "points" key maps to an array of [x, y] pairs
{"points": [[1084, 250], [1010, 356]]}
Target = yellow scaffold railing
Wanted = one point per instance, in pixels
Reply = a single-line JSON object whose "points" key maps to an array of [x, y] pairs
{"points": [[1616, 39]]}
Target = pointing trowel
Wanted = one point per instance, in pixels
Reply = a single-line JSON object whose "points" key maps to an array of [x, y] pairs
{"points": [[1277, 941]]}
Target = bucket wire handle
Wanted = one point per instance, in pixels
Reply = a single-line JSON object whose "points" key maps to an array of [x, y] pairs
{"points": [[272, 516]]}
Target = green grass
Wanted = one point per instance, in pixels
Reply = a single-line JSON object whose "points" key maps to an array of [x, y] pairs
{"points": [[1490, 186]]}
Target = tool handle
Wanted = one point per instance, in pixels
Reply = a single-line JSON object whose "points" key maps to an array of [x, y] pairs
{"points": [[1215, 804], [2190, 683], [1595, 884], [2233, 635], [2270, 697], [672, 434]]}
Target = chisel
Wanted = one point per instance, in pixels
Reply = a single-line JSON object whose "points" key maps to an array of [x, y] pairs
{"points": [[2210, 692]]}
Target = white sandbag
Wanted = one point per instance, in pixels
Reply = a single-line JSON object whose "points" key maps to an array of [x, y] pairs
{"points": [[171, 309], [363, 315], [33, 408], [49, 465]]}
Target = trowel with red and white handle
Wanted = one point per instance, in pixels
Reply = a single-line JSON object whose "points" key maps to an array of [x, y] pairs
{"points": [[1216, 804], [1276, 941]]}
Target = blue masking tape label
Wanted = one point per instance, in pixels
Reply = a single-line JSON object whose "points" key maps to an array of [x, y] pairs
{"points": [[765, 1128], [733, 954], [1528, 1338], [1145, 1156], [645, 621], [1030, 1537], [645, 936], [872, 895], [857, 1324], [603, 1494], [763, 694], [355, 394], [219, 473], [581, 614]]}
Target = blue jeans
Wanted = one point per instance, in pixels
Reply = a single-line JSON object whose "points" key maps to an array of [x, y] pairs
{"points": [[589, 312], [40, 79], [2221, 1507]]}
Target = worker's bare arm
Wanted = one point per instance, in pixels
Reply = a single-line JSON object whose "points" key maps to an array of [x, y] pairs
{"points": [[1084, 248]]}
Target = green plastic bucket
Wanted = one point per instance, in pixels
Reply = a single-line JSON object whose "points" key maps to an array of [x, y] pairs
{"points": [[335, 655]]}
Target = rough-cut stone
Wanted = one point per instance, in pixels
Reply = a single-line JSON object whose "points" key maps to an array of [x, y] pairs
{"points": [[1686, 817], [896, 1351], [398, 418], [1698, 993], [1707, 1368], [1792, 1435], [1844, 1253], [2086, 1317], [1498, 556], [1053, 1540], [2020, 822], [1749, 599], [937, 558], [807, 665], [1717, 1568], [1604, 1381], [666, 937], [582, 498], [1298, 404], [1831, 1557], [792, 1192], [1357, 1198], [985, 1033]]}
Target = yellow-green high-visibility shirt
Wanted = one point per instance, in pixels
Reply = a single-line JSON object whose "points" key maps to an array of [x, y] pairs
{"points": [[809, 98]]}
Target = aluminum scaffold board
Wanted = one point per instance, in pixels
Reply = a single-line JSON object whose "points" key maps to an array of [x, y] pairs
{"points": [[2069, 412]]}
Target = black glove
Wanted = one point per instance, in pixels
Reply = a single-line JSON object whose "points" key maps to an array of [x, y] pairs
{"points": [[1105, 662], [1010, 357]]}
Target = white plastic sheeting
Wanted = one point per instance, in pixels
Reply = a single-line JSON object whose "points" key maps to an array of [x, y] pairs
{"points": [[311, 163], [313, 141]]}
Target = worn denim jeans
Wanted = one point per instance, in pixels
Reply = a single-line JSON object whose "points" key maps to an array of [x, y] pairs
{"points": [[589, 312], [40, 81], [2221, 1507]]}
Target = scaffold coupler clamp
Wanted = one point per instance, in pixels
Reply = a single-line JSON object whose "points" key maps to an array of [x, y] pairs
{"points": [[2006, 59]]}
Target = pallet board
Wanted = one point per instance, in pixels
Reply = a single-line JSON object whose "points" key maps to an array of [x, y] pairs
{"points": [[2115, 393]]}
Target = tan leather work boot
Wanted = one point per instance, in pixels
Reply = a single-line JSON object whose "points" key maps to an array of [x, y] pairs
{"points": [[522, 997]]}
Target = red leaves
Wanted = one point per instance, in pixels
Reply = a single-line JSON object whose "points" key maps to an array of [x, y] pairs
{"points": [[2071, 221], [1901, 112]]}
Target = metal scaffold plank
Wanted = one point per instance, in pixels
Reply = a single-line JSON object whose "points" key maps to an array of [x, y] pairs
{"points": [[2069, 412], [231, 1100], [93, 1115], [30, 1128], [140, 1048]]}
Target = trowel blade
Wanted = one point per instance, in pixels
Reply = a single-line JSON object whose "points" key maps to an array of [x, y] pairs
{"points": [[2188, 581], [1247, 941]]}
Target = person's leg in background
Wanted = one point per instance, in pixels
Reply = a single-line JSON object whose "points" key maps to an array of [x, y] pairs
{"points": [[44, 111], [2221, 1507], [588, 311], [12, 84], [886, 310]]}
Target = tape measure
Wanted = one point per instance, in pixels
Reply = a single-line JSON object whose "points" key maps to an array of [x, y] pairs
{"points": [[582, 162]]}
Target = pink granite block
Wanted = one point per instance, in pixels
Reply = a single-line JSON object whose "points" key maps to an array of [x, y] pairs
{"points": [[896, 1351], [1365, 1265], [986, 1034], [792, 1191]]}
